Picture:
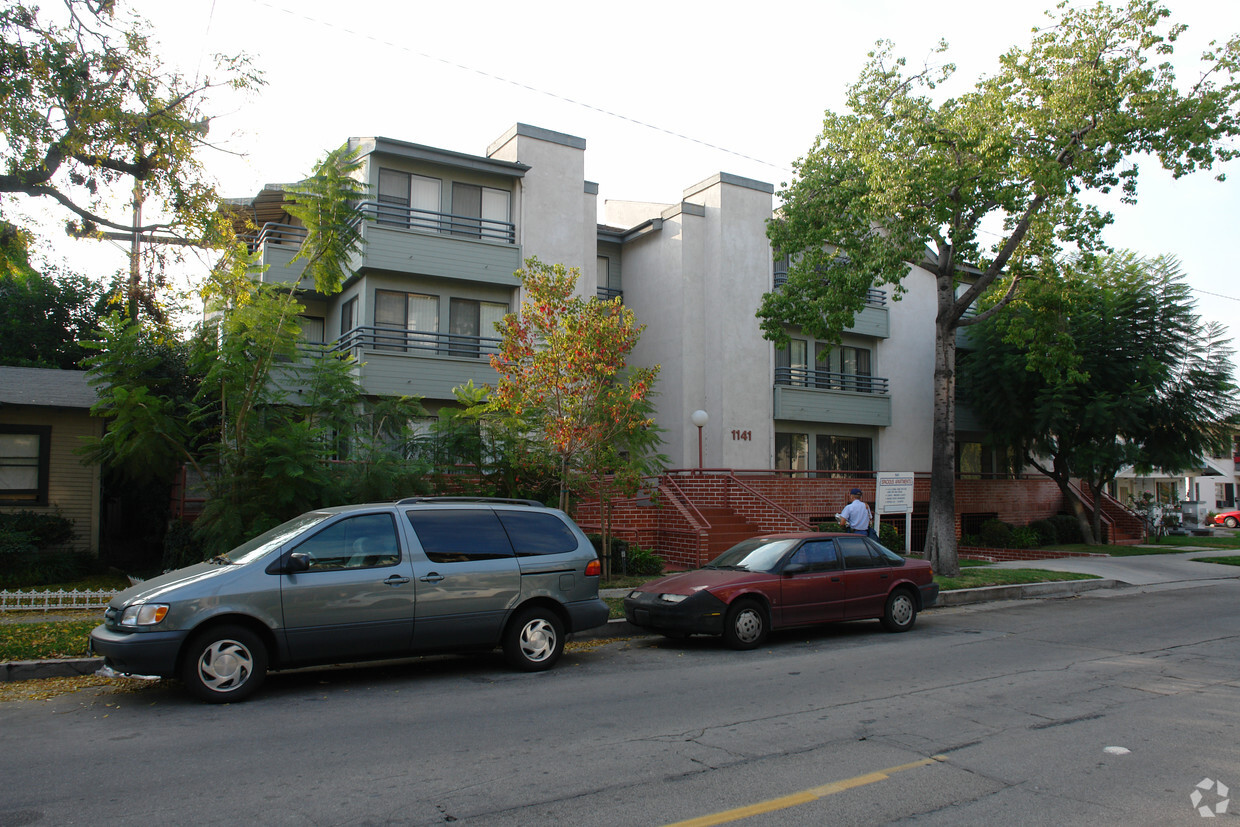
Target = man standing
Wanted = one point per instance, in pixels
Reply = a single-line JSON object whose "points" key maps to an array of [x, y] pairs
{"points": [[856, 515]]}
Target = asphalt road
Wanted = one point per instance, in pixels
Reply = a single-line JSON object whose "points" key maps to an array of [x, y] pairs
{"points": [[1107, 708]]}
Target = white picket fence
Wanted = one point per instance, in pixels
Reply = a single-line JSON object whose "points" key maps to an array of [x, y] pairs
{"points": [[46, 601]]}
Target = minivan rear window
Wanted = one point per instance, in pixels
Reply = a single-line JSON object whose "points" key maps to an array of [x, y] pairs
{"points": [[459, 535], [536, 532]]}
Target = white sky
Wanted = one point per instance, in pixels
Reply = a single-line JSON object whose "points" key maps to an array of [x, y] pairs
{"points": [[751, 79]]}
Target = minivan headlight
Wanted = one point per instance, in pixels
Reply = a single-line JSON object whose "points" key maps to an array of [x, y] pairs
{"points": [[144, 614]]}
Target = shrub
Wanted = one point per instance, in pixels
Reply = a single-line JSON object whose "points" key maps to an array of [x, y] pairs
{"points": [[996, 534], [15, 542], [181, 546], [1024, 537], [643, 563], [41, 531], [1045, 529], [39, 568], [889, 536], [1067, 529]]}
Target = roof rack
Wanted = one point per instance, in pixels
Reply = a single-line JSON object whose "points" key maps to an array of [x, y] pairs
{"points": [[491, 500]]}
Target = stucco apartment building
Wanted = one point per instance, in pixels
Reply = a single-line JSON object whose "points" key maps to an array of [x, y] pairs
{"points": [[445, 230]]}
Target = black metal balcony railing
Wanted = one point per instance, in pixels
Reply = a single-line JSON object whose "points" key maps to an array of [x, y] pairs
{"points": [[396, 215], [829, 380], [608, 293], [273, 233], [399, 340]]}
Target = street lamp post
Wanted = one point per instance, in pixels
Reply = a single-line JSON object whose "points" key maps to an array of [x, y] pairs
{"points": [[699, 418]]}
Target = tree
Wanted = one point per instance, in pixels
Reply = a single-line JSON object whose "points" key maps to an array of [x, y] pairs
{"points": [[898, 171], [90, 115], [47, 316], [1107, 369], [562, 369]]}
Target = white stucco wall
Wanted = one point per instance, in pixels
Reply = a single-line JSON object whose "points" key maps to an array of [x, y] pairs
{"points": [[906, 358], [555, 216]]}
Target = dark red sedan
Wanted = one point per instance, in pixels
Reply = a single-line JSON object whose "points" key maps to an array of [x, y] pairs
{"points": [[1231, 519], [779, 581]]}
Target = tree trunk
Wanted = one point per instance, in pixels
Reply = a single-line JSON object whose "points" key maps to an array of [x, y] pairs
{"points": [[1096, 490], [941, 532]]}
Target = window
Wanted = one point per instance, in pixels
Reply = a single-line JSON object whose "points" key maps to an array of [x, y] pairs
{"points": [[857, 553], [408, 200], [24, 459], [842, 368], [537, 532], [791, 366], [362, 542], [468, 322], [817, 555], [844, 453], [313, 329], [348, 316], [415, 315], [460, 535], [470, 201], [792, 451]]}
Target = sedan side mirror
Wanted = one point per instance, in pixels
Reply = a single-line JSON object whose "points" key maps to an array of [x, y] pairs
{"points": [[794, 568]]}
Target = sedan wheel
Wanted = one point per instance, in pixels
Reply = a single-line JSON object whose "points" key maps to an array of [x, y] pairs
{"points": [[225, 664], [745, 626], [1232, 522], [900, 613], [534, 640]]}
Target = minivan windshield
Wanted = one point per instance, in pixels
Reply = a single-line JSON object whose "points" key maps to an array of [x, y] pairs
{"points": [[272, 538], [758, 554]]}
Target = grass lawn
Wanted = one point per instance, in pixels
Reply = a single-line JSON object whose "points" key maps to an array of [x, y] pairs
{"points": [[36, 641], [974, 576], [1226, 561]]}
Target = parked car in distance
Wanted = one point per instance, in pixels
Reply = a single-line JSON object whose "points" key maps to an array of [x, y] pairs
{"points": [[780, 581], [1231, 519], [363, 582]]}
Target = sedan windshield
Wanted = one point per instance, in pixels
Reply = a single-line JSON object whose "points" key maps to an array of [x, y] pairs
{"points": [[758, 554], [278, 536]]}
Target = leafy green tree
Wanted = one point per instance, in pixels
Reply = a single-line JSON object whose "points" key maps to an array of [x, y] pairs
{"points": [[562, 370], [1110, 367], [899, 171], [92, 119], [47, 316]]}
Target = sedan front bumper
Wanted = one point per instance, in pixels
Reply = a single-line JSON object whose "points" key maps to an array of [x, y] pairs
{"points": [[701, 613]]}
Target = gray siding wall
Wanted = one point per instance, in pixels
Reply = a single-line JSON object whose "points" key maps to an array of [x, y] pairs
{"points": [[819, 405], [435, 254], [872, 321], [384, 373]]}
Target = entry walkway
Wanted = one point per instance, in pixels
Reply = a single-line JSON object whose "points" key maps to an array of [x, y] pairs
{"points": [[1143, 570]]}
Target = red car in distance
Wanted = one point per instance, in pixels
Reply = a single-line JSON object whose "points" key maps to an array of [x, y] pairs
{"points": [[780, 581], [1231, 519]]}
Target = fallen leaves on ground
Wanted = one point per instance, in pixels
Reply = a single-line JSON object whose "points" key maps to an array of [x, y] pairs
{"points": [[47, 688]]}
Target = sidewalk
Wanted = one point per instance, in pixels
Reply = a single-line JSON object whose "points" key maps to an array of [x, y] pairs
{"points": [[1156, 570]]}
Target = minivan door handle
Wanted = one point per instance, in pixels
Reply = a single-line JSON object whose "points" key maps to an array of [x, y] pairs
{"points": [[395, 580], [433, 577]]}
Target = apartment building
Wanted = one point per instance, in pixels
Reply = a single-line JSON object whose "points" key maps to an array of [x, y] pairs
{"points": [[445, 230]]}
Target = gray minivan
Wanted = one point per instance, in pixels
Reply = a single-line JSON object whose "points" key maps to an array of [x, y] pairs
{"points": [[363, 582]]}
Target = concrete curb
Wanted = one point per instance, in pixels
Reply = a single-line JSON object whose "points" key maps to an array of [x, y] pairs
{"points": [[24, 670]]}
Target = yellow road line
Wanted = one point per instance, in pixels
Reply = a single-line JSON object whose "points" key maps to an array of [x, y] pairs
{"points": [[805, 796]]}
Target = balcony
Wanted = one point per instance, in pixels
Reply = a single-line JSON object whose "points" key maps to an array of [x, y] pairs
{"points": [[405, 240], [871, 321], [806, 395], [397, 362]]}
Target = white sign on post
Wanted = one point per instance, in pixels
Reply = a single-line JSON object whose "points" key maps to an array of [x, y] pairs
{"points": [[895, 492], [894, 495]]}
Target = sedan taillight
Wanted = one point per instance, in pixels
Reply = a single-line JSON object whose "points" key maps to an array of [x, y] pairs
{"points": [[594, 568]]}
